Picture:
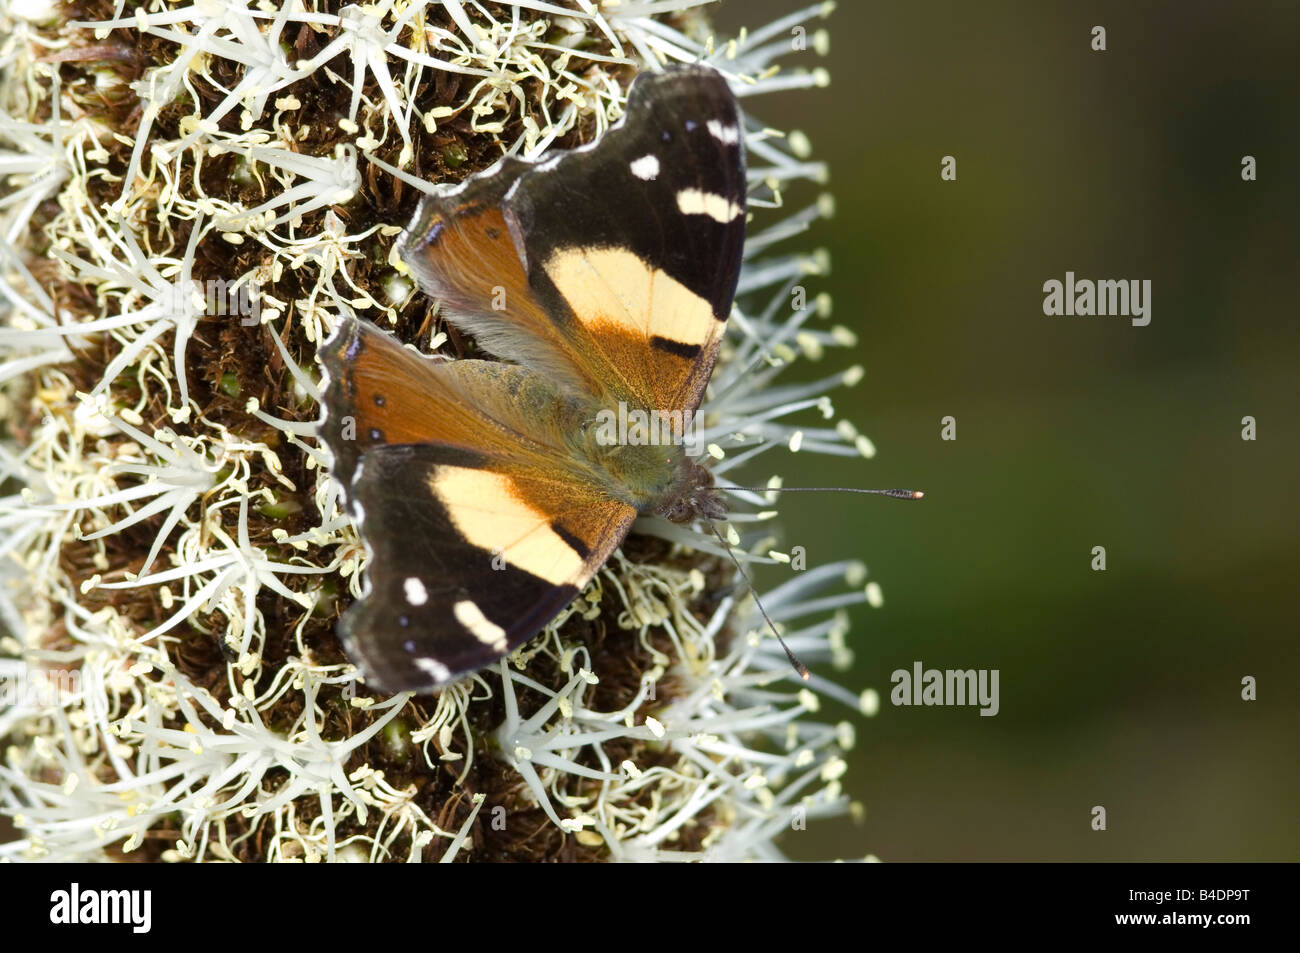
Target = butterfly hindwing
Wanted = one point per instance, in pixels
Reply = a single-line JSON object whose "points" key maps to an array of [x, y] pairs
{"points": [[467, 560], [611, 266], [479, 527]]}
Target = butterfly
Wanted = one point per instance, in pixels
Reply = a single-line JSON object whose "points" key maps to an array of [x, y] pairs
{"points": [[488, 493]]}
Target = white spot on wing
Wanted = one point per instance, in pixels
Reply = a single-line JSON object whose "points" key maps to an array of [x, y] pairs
{"points": [[729, 135], [646, 167], [416, 594], [696, 202], [480, 626], [435, 670]]}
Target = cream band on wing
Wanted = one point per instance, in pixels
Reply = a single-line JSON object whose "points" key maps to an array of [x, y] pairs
{"points": [[607, 286], [488, 513]]}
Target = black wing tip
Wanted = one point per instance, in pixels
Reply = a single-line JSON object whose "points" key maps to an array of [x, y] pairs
{"points": [[687, 79], [488, 187], [681, 72]]}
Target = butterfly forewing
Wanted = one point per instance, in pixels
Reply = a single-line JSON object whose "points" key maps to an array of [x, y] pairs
{"points": [[630, 249]]}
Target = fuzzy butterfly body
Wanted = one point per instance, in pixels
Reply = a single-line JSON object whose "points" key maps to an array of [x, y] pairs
{"points": [[488, 492]]}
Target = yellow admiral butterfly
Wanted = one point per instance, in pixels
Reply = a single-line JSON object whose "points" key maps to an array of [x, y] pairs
{"points": [[485, 491]]}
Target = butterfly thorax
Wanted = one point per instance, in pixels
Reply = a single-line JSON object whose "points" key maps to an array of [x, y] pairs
{"points": [[648, 469]]}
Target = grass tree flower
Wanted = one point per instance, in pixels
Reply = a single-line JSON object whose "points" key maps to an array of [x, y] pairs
{"points": [[191, 195]]}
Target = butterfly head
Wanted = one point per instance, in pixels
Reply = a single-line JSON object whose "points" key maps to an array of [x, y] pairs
{"points": [[692, 496]]}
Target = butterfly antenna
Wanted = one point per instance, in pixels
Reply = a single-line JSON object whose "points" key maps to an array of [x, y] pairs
{"points": [[895, 494], [798, 665]]}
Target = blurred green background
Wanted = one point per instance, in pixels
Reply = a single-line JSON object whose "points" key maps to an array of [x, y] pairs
{"points": [[1118, 688]]}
